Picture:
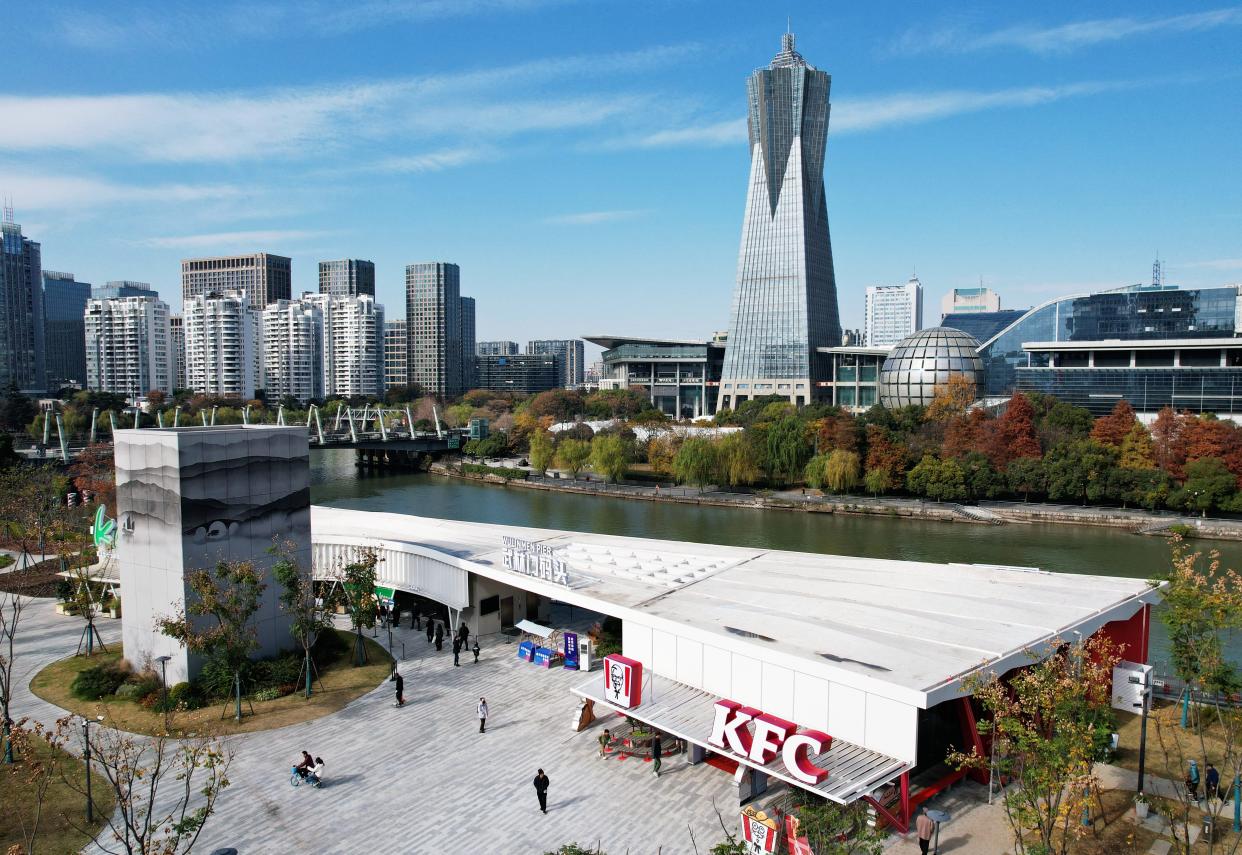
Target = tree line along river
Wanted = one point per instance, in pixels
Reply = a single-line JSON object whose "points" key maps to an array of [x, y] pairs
{"points": [[1061, 548]]}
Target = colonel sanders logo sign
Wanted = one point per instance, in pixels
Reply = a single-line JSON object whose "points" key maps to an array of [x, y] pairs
{"points": [[623, 681]]}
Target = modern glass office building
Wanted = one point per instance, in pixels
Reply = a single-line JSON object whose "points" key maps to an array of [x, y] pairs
{"points": [[347, 277], [64, 310], [785, 300], [524, 374], [21, 310], [681, 378], [1135, 313], [982, 325]]}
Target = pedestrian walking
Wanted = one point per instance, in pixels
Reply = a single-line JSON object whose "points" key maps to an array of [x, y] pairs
{"points": [[400, 681], [1192, 780], [924, 828], [429, 628], [456, 651], [415, 620], [605, 739], [463, 633], [541, 790], [475, 649], [482, 711], [439, 636], [656, 749], [1211, 780]]}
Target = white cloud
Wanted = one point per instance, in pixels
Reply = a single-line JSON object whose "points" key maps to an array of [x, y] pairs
{"points": [[430, 161], [1213, 264], [180, 26], [850, 115], [295, 121], [31, 191], [1064, 37], [254, 237], [590, 218], [864, 114]]}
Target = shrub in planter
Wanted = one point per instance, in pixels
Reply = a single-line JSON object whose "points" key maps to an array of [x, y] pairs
{"points": [[270, 693], [328, 647], [185, 697], [132, 691], [276, 672], [216, 678], [96, 682], [64, 590], [144, 684]]}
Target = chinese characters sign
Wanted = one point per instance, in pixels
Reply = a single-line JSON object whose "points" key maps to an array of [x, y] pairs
{"points": [[535, 559], [623, 681]]}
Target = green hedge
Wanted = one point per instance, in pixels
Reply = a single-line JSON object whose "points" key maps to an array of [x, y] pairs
{"points": [[507, 472]]}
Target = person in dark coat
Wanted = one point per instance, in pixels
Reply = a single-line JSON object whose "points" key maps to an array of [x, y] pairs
{"points": [[415, 619], [541, 790], [400, 681], [476, 648], [439, 636], [1211, 782], [464, 634], [430, 628], [656, 750], [456, 651]]}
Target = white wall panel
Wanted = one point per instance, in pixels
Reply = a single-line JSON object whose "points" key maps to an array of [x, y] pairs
{"points": [[892, 728], [690, 662], [811, 702], [664, 653], [398, 568], [636, 642], [778, 691], [717, 671], [847, 713], [747, 681]]}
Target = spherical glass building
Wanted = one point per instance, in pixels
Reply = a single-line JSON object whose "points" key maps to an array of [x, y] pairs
{"points": [[922, 361]]}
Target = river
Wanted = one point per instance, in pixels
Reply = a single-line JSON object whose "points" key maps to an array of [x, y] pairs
{"points": [[1062, 548]]}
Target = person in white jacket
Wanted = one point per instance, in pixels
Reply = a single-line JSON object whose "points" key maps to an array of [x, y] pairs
{"points": [[482, 710]]}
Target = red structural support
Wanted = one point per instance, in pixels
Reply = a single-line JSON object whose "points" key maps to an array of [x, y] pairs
{"points": [[900, 820], [972, 739], [1132, 634]]}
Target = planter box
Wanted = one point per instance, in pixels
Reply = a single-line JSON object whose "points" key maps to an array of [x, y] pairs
{"points": [[66, 609], [115, 613]]}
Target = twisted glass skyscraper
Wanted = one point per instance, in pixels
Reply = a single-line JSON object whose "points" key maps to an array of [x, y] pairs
{"points": [[785, 301]]}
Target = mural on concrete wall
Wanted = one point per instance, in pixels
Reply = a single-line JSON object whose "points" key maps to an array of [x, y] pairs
{"points": [[188, 498]]}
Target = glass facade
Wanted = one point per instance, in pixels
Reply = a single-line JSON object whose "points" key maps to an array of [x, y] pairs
{"points": [[348, 277], [925, 360], [21, 311], [525, 374], [1200, 390], [785, 301], [1135, 313], [681, 378], [433, 324], [64, 309], [982, 325], [854, 377]]}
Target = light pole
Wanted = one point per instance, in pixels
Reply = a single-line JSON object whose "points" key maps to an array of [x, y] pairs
{"points": [[1142, 758], [86, 753], [163, 660]]}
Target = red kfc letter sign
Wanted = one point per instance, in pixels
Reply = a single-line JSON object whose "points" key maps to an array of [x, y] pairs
{"points": [[771, 735]]}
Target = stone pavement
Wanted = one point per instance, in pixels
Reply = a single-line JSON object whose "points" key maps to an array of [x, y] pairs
{"points": [[421, 779]]}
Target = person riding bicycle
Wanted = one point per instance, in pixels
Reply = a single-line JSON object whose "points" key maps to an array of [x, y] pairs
{"points": [[316, 772], [303, 768]]}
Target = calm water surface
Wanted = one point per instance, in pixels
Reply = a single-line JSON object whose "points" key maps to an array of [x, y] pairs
{"points": [[1063, 548]]}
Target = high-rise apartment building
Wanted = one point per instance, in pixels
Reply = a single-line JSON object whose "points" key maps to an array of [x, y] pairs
{"points": [[263, 278], [123, 288], [395, 355], [433, 319], [569, 351], [785, 301], [223, 347], [128, 344], [892, 312], [347, 277], [21, 310], [293, 350], [176, 343], [353, 345], [468, 369], [64, 307], [963, 300], [496, 348]]}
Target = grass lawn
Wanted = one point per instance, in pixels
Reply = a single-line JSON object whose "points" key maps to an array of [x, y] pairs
{"points": [[1169, 747], [341, 684], [63, 807]]}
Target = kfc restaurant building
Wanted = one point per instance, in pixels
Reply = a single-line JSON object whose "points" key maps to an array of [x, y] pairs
{"points": [[835, 674]]}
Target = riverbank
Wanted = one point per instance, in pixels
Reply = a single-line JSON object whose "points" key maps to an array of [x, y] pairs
{"points": [[986, 513]]}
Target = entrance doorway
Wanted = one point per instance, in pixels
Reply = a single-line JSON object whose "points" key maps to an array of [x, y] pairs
{"points": [[506, 612]]}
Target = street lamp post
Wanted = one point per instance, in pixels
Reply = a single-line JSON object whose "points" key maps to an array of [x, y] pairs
{"points": [[86, 753], [163, 660], [1146, 704]]}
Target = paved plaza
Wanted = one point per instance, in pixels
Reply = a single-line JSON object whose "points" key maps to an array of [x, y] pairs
{"points": [[422, 779]]}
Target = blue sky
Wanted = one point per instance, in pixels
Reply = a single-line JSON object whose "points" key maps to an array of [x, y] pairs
{"points": [[585, 162]]}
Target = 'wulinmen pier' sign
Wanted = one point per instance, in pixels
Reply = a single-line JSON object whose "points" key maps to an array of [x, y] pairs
{"points": [[535, 559]]}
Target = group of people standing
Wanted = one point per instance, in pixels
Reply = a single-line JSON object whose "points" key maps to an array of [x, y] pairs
{"points": [[1210, 780]]}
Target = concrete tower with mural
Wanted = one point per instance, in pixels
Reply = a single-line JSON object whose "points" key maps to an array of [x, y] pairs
{"points": [[188, 498]]}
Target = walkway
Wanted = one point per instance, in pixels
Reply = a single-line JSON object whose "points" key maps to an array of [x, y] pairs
{"points": [[398, 779]]}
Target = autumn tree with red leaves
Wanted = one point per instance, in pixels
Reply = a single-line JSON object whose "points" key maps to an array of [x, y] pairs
{"points": [[1015, 434], [1112, 429]]}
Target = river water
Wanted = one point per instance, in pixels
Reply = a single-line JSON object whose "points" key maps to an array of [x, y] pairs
{"points": [[1062, 548]]}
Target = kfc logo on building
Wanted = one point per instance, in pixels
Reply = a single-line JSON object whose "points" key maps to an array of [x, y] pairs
{"points": [[623, 681], [732, 730]]}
